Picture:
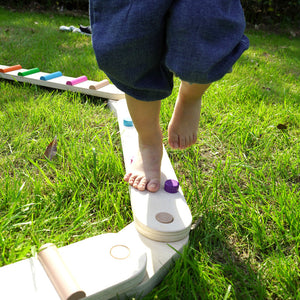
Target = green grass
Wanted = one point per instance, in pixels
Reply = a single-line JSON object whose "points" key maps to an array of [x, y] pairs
{"points": [[242, 177]]}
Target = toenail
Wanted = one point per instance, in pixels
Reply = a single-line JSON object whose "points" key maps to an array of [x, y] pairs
{"points": [[153, 187]]}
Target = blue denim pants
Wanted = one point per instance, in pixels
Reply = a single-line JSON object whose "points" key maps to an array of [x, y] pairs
{"points": [[142, 44]]}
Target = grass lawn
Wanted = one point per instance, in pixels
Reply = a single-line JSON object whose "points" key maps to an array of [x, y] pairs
{"points": [[242, 177]]}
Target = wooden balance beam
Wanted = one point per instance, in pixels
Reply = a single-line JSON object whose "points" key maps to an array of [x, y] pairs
{"points": [[58, 81], [129, 263]]}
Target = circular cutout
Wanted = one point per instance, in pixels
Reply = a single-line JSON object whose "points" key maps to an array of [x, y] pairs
{"points": [[119, 252], [164, 217]]}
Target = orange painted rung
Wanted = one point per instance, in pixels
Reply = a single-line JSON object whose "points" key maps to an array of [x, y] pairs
{"points": [[12, 68]]}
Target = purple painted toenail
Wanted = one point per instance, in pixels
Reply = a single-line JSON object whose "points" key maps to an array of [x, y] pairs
{"points": [[171, 186]]}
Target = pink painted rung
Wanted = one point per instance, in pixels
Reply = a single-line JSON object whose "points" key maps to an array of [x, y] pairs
{"points": [[77, 80]]}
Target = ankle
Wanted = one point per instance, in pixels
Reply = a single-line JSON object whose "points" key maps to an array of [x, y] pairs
{"points": [[191, 93]]}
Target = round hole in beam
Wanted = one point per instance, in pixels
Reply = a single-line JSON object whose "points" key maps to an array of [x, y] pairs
{"points": [[119, 252]]}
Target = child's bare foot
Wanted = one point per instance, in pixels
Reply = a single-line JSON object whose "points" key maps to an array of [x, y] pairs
{"points": [[184, 123], [144, 173]]}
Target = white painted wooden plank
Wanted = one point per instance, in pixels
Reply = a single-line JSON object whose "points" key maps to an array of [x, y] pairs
{"points": [[146, 205], [99, 274], [110, 91], [160, 257], [26, 280]]}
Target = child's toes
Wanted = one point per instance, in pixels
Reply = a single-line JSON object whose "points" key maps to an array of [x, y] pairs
{"points": [[127, 177], [174, 141], [132, 179], [142, 184], [182, 142], [137, 181]]}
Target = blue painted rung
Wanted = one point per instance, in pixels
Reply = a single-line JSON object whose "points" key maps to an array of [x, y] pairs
{"points": [[51, 76], [127, 122]]}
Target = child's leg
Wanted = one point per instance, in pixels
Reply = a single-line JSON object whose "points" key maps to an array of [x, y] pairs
{"points": [[184, 124], [145, 169]]}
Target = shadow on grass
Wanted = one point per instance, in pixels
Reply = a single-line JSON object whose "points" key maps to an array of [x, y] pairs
{"points": [[242, 281]]}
